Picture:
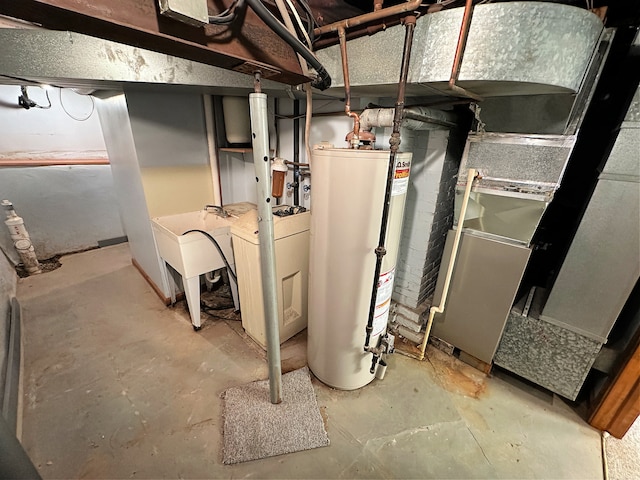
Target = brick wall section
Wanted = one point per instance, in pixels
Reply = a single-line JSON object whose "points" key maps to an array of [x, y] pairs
{"points": [[428, 212], [429, 158], [443, 216]]}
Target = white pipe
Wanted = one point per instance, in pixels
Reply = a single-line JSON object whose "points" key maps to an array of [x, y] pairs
{"points": [[471, 175], [424, 118], [21, 239], [210, 126], [260, 142]]}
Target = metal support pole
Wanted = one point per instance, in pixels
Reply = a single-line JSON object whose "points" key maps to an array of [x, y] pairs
{"points": [[260, 135]]}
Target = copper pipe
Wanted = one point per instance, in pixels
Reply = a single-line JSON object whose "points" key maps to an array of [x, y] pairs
{"points": [[347, 85], [327, 41], [368, 17], [457, 59], [377, 5]]}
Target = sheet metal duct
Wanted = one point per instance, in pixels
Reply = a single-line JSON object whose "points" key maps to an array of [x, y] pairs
{"points": [[514, 48], [69, 59], [249, 44]]}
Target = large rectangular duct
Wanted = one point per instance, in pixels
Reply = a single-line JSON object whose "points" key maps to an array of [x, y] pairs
{"points": [[514, 48]]}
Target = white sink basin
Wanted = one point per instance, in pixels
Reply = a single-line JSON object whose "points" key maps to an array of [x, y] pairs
{"points": [[193, 254]]}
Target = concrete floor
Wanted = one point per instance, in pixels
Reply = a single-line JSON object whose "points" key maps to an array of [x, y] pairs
{"points": [[116, 385]]}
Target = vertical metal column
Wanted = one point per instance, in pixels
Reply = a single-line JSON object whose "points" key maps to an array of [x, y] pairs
{"points": [[260, 141]]}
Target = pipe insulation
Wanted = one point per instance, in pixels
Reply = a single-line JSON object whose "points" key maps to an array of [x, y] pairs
{"points": [[414, 118], [260, 143]]}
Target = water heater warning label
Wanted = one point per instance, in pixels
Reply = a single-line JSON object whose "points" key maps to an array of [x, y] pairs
{"points": [[401, 178], [383, 302]]}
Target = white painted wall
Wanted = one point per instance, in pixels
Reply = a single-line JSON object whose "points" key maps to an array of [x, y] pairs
{"points": [[116, 126], [171, 145], [49, 132], [66, 208]]}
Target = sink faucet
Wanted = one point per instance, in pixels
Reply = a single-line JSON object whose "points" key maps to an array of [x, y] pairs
{"points": [[218, 210]]}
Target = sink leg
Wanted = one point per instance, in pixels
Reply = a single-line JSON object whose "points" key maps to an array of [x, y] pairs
{"points": [[234, 290], [192, 293], [170, 282]]}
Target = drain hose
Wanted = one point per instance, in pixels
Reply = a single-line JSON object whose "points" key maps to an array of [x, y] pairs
{"points": [[224, 259]]}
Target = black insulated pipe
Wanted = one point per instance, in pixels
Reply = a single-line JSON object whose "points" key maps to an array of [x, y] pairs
{"points": [[296, 153], [323, 81], [394, 141]]}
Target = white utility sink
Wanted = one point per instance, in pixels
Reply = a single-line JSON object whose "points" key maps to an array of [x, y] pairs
{"points": [[193, 254]]}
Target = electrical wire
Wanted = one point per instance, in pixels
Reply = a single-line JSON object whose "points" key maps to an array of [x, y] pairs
{"points": [[46, 94], [93, 107], [228, 15], [290, 27], [215, 243], [324, 79], [299, 22], [311, 21], [25, 102]]}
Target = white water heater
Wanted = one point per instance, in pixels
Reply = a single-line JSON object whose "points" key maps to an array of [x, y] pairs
{"points": [[346, 212]]}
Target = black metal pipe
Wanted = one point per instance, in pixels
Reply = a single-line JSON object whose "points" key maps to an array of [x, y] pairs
{"points": [[394, 142], [324, 80], [296, 153]]}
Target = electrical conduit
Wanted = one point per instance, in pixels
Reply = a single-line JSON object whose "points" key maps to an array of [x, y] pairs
{"points": [[471, 176]]}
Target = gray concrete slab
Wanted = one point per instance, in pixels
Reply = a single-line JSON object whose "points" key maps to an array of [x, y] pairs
{"points": [[116, 385]]}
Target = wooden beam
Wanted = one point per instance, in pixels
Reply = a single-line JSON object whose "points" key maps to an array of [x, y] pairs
{"points": [[240, 46], [620, 404]]}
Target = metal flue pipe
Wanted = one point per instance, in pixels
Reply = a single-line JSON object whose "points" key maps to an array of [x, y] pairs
{"points": [[394, 141], [262, 165]]}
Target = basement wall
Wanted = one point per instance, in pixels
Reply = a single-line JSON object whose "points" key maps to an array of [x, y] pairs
{"points": [[66, 208], [8, 280]]}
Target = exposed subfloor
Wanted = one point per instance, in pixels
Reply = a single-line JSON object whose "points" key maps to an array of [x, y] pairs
{"points": [[116, 385]]}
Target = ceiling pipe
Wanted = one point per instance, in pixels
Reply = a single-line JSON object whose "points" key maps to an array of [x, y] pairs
{"points": [[354, 136], [400, 9], [414, 118], [460, 48], [324, 80], [392, 20]]}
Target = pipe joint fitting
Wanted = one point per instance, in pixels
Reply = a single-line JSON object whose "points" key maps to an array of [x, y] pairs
{"points": [[410, 19], [394, 140]]}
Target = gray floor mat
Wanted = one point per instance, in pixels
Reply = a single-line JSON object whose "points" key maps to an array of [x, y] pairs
{"points": [[255, 428]]}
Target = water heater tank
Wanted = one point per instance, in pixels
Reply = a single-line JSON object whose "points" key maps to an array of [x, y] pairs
{"points": [[346, 212]]}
